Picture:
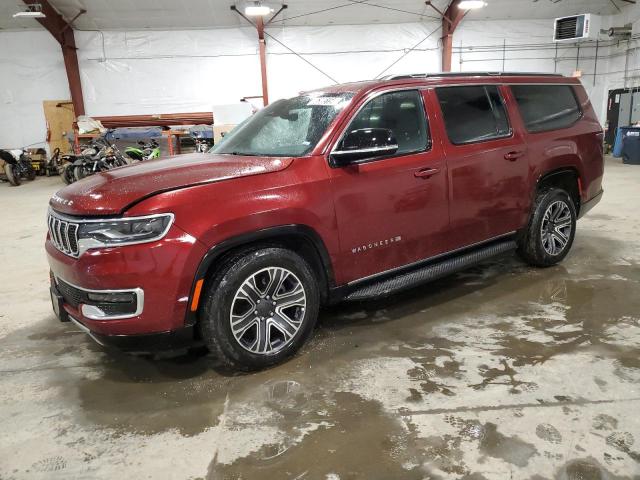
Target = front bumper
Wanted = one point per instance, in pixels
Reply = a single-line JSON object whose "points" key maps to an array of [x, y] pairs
{"points": [[160, 273], [180, 339]]}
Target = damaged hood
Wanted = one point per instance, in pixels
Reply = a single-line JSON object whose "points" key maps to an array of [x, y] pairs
{"points": [[111, 192]]}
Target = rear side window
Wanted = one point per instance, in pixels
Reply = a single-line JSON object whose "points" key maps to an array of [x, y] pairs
{"points": [[473, 114], [546, 107], [402, 113]]}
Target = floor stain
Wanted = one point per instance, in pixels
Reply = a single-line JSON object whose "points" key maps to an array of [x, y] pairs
{"points": [[510, 449]]}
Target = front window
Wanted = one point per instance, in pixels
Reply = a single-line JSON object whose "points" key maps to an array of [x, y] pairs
{"points": [[286, 128], [401, 112]]}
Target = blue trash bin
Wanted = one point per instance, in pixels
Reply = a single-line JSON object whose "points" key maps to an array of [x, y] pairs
{"points": [[631, 146], [617, 144]]}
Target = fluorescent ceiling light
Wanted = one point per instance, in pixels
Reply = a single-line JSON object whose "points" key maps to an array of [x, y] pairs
{"points": [[257, 9], [32, 11], [29, 15], [472, 4]]}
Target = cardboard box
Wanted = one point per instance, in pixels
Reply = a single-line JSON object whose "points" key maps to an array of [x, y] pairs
{"points": [[220, 130]]}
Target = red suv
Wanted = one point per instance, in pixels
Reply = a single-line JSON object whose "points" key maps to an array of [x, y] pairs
{"points": [[345, 193]]}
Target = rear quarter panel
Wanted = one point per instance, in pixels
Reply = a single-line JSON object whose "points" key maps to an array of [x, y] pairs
{"points": [[578, 146]]}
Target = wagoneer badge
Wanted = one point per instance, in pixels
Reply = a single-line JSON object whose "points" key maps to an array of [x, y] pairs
{"points": [[376, 244]]}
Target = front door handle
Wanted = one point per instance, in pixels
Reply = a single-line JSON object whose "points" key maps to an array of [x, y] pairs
{"points": [[513, 156], [426, 172]]}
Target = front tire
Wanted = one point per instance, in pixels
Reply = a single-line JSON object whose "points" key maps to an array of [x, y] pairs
{"points": [[551, 229], [260, 308]]}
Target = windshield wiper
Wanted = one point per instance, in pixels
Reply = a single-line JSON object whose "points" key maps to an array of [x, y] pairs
{"points": [[244, 154]]}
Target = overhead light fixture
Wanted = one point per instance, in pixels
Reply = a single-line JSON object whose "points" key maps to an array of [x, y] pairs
{"points": [[257, 9], [472, 4], [33, 11]]}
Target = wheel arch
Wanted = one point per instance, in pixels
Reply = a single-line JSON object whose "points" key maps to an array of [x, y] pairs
{"points": [[301, 239], [567, 178]]}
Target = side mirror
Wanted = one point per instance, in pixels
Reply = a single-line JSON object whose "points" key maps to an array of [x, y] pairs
{"points": [[365, 143]]}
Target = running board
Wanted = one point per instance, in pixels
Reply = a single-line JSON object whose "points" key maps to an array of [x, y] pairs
{"points": [[430, 272]]}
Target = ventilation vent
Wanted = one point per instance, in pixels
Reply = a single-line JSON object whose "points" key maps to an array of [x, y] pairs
{"points": [[567, 28], [576, 28]]}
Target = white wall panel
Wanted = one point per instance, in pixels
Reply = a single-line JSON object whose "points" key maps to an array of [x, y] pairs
{"points": [[179, 71], [31, 70]]}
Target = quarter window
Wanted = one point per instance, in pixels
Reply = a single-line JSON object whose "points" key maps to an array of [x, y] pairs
{"points": [[546, 107], [402, 113], [473, 114]]}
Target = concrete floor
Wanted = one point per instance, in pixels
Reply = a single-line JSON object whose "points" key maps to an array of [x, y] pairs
{"points": [[503, 371]]}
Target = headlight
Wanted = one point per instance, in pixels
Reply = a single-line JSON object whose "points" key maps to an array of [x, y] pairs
{"points": [[124, 231]]}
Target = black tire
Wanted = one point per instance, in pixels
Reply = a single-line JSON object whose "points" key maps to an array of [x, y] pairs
{"points": [[223, 293], [546, 240], [67, 174], [31, 173], [11, 171], [79, 172]]}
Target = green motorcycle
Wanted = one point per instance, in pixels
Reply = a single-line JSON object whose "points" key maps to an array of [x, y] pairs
{"points": [[146, 151]]}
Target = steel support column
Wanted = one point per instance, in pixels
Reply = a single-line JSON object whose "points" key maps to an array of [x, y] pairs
{"points": [[450, 21], [263, 60], [63, 33]]}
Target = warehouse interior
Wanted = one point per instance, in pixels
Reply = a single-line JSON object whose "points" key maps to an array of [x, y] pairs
{"points": [[498, 371]]}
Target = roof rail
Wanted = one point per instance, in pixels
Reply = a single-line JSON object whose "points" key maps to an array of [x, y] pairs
{"points": [[469, 74]]}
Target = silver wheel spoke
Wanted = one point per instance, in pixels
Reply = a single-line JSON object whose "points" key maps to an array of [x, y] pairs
{"points": [[556, 226], [249, 292], [277, 277], [262, 342], [294, 298], [276, 312], [285, 325], [561, 236], [241, 330]]}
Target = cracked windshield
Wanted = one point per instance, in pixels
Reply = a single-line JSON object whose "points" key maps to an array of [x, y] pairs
{"points": [[286, 128]]}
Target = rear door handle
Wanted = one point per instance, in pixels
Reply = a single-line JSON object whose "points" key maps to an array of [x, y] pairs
{"points": [[426, 172], [513, 156]]}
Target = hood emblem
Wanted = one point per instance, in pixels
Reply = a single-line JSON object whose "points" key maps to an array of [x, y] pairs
{"points": [[56, 198]]}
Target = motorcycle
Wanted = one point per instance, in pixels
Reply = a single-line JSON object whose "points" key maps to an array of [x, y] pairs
{"points": [[60, 164], [17, 165], [147, 151], [99, 156]]}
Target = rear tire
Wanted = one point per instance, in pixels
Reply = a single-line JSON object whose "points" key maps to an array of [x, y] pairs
{"points": [[259, 308], [79, 172], [11, 171], [551, 229]]}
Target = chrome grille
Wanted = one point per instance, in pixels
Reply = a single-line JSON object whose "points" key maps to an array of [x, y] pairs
{"points": [[64, 235]]}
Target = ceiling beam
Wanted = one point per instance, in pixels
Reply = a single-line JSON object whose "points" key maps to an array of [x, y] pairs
{"points": [[451, 18], [63, 33], [263, 60], [450, 21], [262, 48]]}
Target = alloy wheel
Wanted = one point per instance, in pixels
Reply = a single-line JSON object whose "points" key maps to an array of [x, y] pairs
{"points": [[267, 310], [556, 227]]}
